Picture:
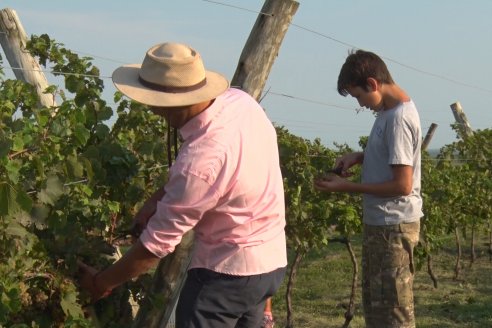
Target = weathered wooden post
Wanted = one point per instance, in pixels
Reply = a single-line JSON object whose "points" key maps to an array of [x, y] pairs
{"points": [[428, 136], [167, 282], [425, 144], [464, 128], [464, 131], [251, 74], [13, 40], [263, 45]]}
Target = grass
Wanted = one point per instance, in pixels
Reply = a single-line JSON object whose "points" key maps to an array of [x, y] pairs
{"points": [[324, 280]]}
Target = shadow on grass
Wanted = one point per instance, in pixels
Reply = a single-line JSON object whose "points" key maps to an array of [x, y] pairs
{"points": [[454, 314], [323, 284]]}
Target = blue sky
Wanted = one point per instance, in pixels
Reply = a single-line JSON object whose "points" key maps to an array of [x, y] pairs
{"points": [[438, 51]]}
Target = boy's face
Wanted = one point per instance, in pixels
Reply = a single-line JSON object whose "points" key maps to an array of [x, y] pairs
{"points": [[370, 98]]}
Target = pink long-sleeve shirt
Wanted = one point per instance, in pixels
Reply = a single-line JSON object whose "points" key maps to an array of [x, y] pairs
{"points": [[226, 184]]}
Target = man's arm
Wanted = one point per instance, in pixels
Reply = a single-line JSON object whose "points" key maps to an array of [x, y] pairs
{"points": [[148, 209], [135, 262]]}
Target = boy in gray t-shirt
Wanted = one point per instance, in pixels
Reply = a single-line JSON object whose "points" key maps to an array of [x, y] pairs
{"points": [[392, 204]]}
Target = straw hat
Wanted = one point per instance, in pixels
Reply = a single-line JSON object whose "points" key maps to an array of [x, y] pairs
{"points": [[171, 75]]}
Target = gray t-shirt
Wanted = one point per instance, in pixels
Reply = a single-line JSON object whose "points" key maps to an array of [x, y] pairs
{"points": [[395, 138]]}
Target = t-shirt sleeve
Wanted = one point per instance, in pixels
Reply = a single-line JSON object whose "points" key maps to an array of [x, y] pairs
{"points": [[401, 144]]}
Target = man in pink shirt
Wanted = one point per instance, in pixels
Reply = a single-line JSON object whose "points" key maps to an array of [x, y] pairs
{"points": [[225, 184]]}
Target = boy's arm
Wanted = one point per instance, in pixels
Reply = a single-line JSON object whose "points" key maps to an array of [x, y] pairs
{"points": [[400, 185]]}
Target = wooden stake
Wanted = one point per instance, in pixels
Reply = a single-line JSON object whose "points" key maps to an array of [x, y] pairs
{"points": [[429, 136], [26, 68], [263, 45], [464, 128]]}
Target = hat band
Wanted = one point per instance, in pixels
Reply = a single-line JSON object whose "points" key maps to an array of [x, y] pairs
{"points": [[172, 89]]}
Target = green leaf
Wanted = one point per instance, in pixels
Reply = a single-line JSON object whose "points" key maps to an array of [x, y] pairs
{"points": [[58, 129], [114, 207], [39, 213], [42, 119], [117, 96], [5, 146], [69, 304], [24, 201], [53, 191], [13, 168], [8, 200], [88, 167], [72, 83], [105, 113], [81, 133], [50, 89], [75, 167], [15, 229], [102, 131], [86, 190], [146, 148], [8, 105], [18, 144]]}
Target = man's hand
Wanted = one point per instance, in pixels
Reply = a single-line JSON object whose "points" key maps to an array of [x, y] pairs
{"points": [[88, 282]]}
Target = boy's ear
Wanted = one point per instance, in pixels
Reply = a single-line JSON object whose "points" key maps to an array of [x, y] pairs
{"points": [[373, 84]]}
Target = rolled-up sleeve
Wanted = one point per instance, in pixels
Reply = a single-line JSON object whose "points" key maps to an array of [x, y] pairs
{"points": [[187, 198]]}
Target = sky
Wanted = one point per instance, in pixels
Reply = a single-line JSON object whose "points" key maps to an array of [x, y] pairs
{"points": [[438, 51]]}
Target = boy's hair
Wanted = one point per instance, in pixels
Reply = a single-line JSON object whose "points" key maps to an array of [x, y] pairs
{"points": [[358, 67]]}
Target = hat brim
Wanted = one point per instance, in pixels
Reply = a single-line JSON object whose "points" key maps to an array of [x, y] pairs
{"points": [[126, 80]]}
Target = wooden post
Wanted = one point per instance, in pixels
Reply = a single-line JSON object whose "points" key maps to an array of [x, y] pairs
{"points": [[263, 45], [428, 136], [13, 40], [464, 128], [166, 285], [252, 71]]}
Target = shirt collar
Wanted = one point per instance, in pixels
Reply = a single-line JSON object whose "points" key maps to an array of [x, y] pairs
{"points": [[198, 122]]}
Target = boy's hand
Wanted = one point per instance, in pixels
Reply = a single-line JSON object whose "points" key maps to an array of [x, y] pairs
{"points": [[347, 161], [329, 183]]}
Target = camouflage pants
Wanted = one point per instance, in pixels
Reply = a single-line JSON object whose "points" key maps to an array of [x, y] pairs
{"points": [[387, 275]]}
